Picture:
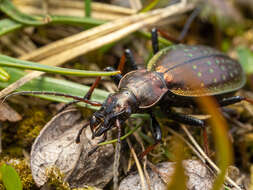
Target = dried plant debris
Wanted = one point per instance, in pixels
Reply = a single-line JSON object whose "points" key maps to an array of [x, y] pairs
{"points": [[55, 147], [7, 113], [199, 177]]}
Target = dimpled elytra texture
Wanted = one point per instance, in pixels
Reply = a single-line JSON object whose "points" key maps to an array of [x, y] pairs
{"points": [[197, 70]]}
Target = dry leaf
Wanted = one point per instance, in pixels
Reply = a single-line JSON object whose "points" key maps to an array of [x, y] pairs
{"points": [[7, 113], [199, 177], [56, 147]]}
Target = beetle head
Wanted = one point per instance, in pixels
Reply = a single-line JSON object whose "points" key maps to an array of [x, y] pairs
{"points": [[119, 106]]}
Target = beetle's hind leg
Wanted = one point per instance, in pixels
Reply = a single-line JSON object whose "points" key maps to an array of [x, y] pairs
{"points": [[232, 100], [185, 119]]}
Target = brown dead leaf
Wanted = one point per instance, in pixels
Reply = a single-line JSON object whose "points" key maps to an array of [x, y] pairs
{"points": [[56, 147], [8, 114]]}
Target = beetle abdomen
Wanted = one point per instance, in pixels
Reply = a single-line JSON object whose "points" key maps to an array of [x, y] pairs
{"points": [[197, 70]]}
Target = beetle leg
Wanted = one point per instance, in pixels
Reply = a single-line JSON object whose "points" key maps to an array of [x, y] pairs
{"points": [[154, 39], [130, 60], [80, 132], [96, 147], [115, 78], [157, 135], [188, 23], [231, 100], [155, 129], [183, 33], [86, 97], [186, 119]]}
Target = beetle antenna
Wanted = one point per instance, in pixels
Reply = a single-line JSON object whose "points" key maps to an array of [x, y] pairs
{"points": [[93, 103], [80, 132]]}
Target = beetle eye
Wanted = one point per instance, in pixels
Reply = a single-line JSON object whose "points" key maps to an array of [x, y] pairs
{"points": [[94, 121]]}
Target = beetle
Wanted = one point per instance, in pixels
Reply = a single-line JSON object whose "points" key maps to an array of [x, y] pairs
{"points": [[167, 82], [174, 77]]}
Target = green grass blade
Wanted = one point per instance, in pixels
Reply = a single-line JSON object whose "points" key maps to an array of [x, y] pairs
{"points": [[54, 85], [8, 25], [161, 40], [10, 178], [76, 20], [12, 62], [246, 59], [87, 8], [9, 9], [150, 6], [4, 76]]}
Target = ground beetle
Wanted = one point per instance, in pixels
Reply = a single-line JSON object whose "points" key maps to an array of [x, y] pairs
{"points": [[167, 82]]}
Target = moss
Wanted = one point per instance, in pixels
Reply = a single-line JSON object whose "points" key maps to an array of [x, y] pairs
{"points": [[29, 128], [2, 187], [23, 171], [14, 151], [55, 180]]}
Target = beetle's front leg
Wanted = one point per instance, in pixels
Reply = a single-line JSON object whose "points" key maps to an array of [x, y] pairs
{"points": [[115, 78], [156, 133]]}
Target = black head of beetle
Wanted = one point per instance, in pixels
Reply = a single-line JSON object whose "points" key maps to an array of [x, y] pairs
{"points": [[119, 105]]}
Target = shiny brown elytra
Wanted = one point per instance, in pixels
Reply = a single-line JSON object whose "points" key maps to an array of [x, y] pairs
{"points": [[174, 76]]}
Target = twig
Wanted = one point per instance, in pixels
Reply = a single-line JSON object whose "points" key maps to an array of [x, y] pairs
{"points": [[116, 165], [135, 4], [207, 159], [138, 139], [188, 144], [138, 165], [117, 158]]}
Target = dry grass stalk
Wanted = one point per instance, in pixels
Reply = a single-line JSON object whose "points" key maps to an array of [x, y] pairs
{"points": [[75, 8], [207, 159], [135, 4], [95, 38], [138, 165]]}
